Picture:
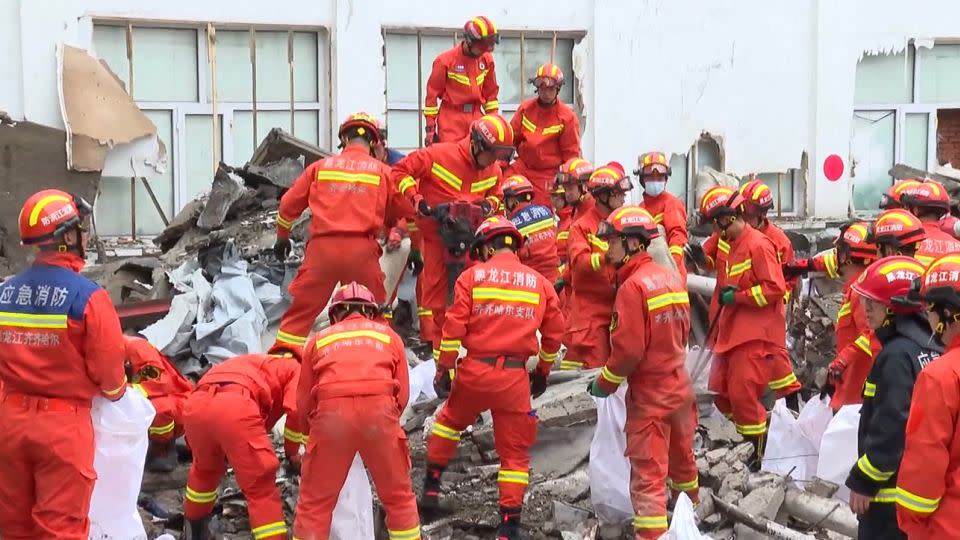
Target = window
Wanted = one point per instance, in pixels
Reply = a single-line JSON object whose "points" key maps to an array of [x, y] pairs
{"points": [[409, 58], [173, 84], [897, 98]]}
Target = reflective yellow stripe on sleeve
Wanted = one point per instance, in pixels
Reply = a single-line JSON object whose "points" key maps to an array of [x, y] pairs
{"points": [[611, 376], [450, 345], [162, 430], [553, 130], [886, 495], [491, 106], [916, 503], [405, 184], [548, 356], [872, 472], [431, 111], [780, 384], [595, 262], [757, 293], [294, 436], [863, 343], [869, 389]]}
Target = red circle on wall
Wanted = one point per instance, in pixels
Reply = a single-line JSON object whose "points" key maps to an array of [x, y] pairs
{"points": [[833, 167]]}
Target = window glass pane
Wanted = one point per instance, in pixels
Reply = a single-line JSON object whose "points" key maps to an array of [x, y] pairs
{"points": [[403, 129], [234, 71], [677, 184], [915, 144], [885, 78], [401, 65], [537, 52], [939, 74], [872, 156], [431, 47], [243, 141], [198, 161], [775, 181], [507, 58], [273, 72], [110, 44], [113, 205], [164, 64]]}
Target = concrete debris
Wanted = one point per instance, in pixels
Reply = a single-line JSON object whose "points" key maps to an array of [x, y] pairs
{"points": [[567, 517], [227, 190]]}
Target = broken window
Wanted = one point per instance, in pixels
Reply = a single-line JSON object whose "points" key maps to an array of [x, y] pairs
{"points": [[408, 57], [872, 149]]}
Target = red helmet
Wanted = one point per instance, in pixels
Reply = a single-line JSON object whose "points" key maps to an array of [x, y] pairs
{"points": [[548, 75], [757, 197], [480, 32], [629, 221], [928, 194], [573, 171], [50, 213], [493, 133], [517, 186], [493, 228], [898, 228], [353, 294], [891, 199], [362, 123], [720, 201], [608, 178], [853, 243], [652, 163], [941, 282], [889, 281]]}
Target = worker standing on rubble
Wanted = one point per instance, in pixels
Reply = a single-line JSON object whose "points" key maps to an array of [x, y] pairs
{"points": [[653, 170], [750, 347], [499, 307], [536, 225], [464, 80], [927, 493], [60, 346], [592, 277], [433, 178], [907, 347], [154, 376], [547, 133], [648, 336], [228, 419], [348, 196], [571, 201], [353, 387], [929, 202]]}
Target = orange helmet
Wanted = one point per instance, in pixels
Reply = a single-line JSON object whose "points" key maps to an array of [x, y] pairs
{"points": [[493, 228], [517, 186], [898, 228], [853, 243], [941, 283], [480, 32], [651, 163], [757, 197], [928, 194], [608, 178], [548, 75], [720, 201], [47, 215], [891, 199], [353, 295], [629, 221], [889, 281], [362, 124], [573, 171], [493, 133]]}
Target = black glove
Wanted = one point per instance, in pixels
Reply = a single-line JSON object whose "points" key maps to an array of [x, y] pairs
{"points": [[292, 466], [559, 285], [538, 384], [796, 268], [828, 390], [415, 262], [281, 248], [442, 382], [423, 209], [441, 212]]}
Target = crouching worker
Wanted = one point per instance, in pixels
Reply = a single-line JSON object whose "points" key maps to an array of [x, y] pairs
{"points": [[227, 421], [352, 390]]}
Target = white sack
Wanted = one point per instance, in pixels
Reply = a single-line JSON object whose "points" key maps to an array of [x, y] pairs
{"points": [[684, 523], [353, 515], [838, 448], [609, 468], [788, 449]]}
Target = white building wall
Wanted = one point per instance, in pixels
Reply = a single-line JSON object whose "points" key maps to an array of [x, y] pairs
{"points": [[771, 79]]}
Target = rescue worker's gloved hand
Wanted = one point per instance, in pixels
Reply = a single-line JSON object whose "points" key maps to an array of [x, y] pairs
{"points": [[394, 239], [281, 248], [442, 382], [486, 207], [538, 382], [415, 262], [429, 134], [835, 373], [727, 295], [797, 268], [594, 389], [559, 285], [423, 209]]}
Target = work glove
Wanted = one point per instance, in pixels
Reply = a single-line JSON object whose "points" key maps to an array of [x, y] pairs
{"points": [[281, 248], [292, 465], [538, 382], [394, 239], [835, 372], [559, 285], [727, 295], [797, 268], [423, 209], [415, 262], [594, 389], [430, 134], [442, 382]]}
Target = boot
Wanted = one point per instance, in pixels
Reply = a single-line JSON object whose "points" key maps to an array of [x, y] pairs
{"points": [[163, 457], [509, 528], [197, 529], [430, 500]]}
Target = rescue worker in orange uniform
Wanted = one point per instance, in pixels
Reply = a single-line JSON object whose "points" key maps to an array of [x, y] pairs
{"points": [[536, 225], [349, 196], [228, 419], [908, 346], [750, 347], [464, 80], [929, 202], [927, 494], [465, 171], [653, 170], [897, 232], [573, 201], [757, 201], [648, 335], [547, 133], [353, 388], [500, 305], [60, 347], [154, 376], [592, 277]]}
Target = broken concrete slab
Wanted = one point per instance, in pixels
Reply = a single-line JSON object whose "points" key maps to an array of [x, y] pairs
{"points": [[571, 488], [568, 517], [740, 453], [185, 220], [226, 191], [559, 450], [764, 502], [720, 430], [567, 403], [279, 144]]}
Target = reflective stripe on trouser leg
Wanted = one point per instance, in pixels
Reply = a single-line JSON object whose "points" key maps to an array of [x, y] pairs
{"points": [[444, 436], [682, 468], [514, 433], [275, 530], [648, 453], [748, 374]]}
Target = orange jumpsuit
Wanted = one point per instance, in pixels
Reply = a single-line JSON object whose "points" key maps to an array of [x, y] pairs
{"points": [[856, 348], [648, 339], [669, 211], [168, 393], [349, 196], [499, 306], [928, 494], [566, 217], [60, 346], [588, 331], [467, 89], [539, 251], [937, 244], [784, 250], [442, 173], [228, 420], [545, 136], [353, 387], [751, 333], [428, 329]]}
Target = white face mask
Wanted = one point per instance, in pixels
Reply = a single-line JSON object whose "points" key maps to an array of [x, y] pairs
{"points": [[654, 188]]}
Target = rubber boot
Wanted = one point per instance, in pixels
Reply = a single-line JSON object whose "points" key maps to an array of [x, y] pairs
{"points": [[430, 500], [509, 528], [163, 457], [197, 529]]}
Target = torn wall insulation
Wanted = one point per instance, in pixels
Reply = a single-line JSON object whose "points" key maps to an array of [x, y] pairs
{"points": [[98, 113]]}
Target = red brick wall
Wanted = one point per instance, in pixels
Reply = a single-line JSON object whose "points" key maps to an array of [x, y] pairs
{"points": [[948, 137]]}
